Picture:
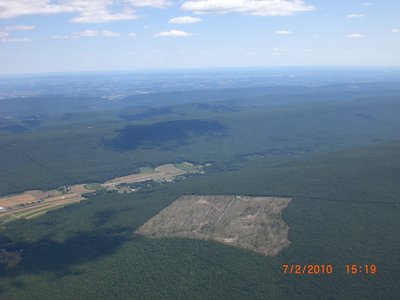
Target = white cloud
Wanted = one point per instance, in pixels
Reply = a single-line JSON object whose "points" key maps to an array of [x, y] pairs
{"points": [[14, 40], [396, 30], [174, 33], [354, 36], [151, 3], [132, 34], [283, 32], [109, 33], [20, 27], [93, 11], [98, 11], [88, 33], [366, 4], [252, 7], [5, 35], [15, 8], [95, 33], [103, 16], [184, 20], [353, 16], [61, 37]]}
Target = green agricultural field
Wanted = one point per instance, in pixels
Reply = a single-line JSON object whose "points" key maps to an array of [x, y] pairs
{"points": [[95, 187], [146, 170], [189, 167]]}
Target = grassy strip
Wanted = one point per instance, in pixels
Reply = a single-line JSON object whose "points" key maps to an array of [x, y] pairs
{"points": [[44, 207], [43, 211]]}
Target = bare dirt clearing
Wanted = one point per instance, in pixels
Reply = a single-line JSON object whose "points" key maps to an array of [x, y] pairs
{"points": [[253, 223]]}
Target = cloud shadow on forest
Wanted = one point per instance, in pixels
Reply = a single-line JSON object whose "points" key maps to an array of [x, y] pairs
{"points": [[163, 134]]}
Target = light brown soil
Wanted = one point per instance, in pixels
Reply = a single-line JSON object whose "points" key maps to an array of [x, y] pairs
{"points": [[62, 197], [42, 195], [15, 200], [135, 178], [29, 209], [253, 223], [162, 172]]}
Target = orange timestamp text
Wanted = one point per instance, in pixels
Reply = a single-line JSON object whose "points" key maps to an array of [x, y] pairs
{"points": [[327, 269], [307, 269]]}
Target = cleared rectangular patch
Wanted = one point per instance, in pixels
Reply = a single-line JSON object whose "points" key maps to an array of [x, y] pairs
{"points": [[253, 223]]}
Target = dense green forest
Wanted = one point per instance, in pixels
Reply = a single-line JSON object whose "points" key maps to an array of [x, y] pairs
{"points": [[338, 160], [345, 210], [94, 147]]}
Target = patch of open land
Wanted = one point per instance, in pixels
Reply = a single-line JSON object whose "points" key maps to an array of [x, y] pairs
{"points": [[253, 223], [160, 173], [35, 203]]}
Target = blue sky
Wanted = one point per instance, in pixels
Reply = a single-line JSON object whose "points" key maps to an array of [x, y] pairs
{"points": [[39, 36]]}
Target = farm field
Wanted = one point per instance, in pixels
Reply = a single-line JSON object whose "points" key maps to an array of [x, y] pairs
{"points": [[35, 203], [164, 172], [28, 206]]}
